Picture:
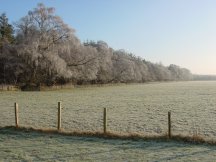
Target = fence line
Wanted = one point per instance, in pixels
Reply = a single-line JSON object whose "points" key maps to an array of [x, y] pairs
{"points": [[16, 115], [5, 87], [59, 116], [59, 119], [105, 121], [169, 125]]}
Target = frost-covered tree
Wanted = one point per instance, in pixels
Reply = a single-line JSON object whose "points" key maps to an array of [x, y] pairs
{"points": [[41, 35], [45, 50], [104, 60]]}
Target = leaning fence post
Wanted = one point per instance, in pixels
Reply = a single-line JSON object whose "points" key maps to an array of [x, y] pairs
{"points": [[16, 115], [105, 120], [169, 125], [59, 115]]}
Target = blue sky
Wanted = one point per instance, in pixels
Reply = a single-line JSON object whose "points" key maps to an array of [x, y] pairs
{"points": [[181, 32]]}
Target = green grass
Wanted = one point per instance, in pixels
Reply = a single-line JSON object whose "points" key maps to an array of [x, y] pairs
{"points": [[22, 145], [138, 108]]}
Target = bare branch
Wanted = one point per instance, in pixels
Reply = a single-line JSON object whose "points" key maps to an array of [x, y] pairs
{"points": [[82, 62]]}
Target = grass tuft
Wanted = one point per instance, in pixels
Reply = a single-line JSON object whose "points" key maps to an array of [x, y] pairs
{"points": [[195, 139]]}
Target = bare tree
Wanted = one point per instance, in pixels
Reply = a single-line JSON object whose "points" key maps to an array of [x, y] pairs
{"points": [[47, 51], [40, 36]]}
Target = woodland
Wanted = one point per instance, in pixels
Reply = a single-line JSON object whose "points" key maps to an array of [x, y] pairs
{"points": [[41, 49]]}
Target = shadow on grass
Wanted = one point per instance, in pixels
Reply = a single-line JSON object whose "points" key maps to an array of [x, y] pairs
{"points": [[110, 135], [116, 142]]}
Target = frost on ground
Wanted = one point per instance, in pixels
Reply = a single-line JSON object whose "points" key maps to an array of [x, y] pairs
{"points": [[138, 108], [32, 146]]}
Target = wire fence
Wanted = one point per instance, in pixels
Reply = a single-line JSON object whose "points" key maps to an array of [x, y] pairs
{"points": [[102, 120]]}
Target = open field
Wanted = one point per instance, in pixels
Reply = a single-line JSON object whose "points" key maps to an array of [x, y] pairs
{"points": [[33, 146], [138, 108]]}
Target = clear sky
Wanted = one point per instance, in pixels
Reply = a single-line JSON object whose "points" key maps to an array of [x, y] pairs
{"points": [[181, 32]]}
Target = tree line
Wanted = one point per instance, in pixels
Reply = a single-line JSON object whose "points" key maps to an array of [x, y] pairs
{"points": [[41, 49]]}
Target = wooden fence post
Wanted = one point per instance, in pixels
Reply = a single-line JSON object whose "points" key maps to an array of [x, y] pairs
{"points": [[59, 115], [16, 115], [105, 120], [169, 125]]}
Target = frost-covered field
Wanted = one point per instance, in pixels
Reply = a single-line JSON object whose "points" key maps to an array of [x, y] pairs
{"points": [[29, 146], [140, 108]]}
